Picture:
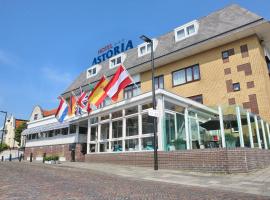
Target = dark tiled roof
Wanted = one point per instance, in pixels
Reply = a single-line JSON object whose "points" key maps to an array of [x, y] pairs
{"points": [[219, 22]]}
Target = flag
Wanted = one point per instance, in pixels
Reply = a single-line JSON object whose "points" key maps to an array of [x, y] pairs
{"points": [[98, 94], [73, 106], [119, 81], [62, 110], [83, 98]]}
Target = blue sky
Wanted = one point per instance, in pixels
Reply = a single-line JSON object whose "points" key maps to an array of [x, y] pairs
{"points": [[44, 45]]}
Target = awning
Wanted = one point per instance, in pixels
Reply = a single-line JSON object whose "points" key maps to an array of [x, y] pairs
{"points": [[47, 127]]}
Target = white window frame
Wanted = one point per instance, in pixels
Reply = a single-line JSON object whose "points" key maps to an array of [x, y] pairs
{"points": [[184, 27], [123, 57], [89, 75], [155, 43]]}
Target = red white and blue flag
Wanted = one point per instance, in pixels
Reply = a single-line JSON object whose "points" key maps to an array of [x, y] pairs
{"points": [[62, 110]]}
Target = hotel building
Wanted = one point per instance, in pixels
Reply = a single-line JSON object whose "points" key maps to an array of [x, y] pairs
{"points": [[212, 93]]}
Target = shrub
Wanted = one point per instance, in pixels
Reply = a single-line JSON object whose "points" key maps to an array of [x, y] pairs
{"points": [[49, 158], [3, 147]]}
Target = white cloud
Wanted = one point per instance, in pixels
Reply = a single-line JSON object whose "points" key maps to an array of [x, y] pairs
{"points": [[7, 59], [56, 76]]}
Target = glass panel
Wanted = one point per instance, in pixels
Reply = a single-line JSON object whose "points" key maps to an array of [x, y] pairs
{"points": [[148, 48], [117, 128], [196, 72], [180, 142], [64, 131], [132, 145], [195, 134], [147, 124], [170, 131], [170, 106], [179, 77], [117, 145], [82, 130], [189, 74], [104, 147], [190, 29], [131, 110], [253, 129], [142, 50], [94, 120], [147, 106], [118, 60], [104, 131], [104, 117], [117, 114], [132, 126], [57, 132], [112, 63], [92, 148], [148, 143], [72, 129], [94, 132], [180, 34]]}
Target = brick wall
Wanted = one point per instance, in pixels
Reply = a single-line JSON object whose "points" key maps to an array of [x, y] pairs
{"points": [[60, 150], [206, 160]]}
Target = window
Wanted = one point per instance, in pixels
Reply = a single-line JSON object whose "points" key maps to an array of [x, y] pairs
{"points": [[104, 117], [132, 90], [35, 116], [236, 86], [186, 30], [117, 129], [94, 120], [186, 75], [117, 114], [82, 130], [198, 98], [132, 126], [147, 124], [147, 106], [94, 132], [106, 102], [145, 48], [50, 133], [117, 145], [131, 110], [226, 54], [159, 82], [132, 145], [148, 143], [244, 51], [57, 132], [92, 71], [104, 131], [72, 129], [117, 60], [64, 131]]}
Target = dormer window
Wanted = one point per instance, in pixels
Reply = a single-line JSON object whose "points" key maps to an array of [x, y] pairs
{"points": [[186, 30], [145, 48], [117, 60], [92, 71]]}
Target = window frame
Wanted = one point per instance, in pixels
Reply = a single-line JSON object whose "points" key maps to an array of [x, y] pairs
{"points": [[132, 88], [185, 69], [194, 23], [158, 81], [121, 55], [147, 50], [233, 87]]}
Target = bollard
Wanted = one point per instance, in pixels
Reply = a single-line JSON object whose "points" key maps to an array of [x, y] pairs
{"points": [[10, 157], [31, 157], [73, 155], [2, 158], [20, 158], [44, 155]]}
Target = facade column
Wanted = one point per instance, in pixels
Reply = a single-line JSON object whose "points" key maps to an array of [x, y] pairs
{"points": [[110, 133], [220, 114], [88, 135], [187, 129], [240, 127], [198, 129], [98, 135], [264, 136], [268, 132], [250, 131], [257, 131], [77, 133], [160, 109], [124, 132], [140, 126]]}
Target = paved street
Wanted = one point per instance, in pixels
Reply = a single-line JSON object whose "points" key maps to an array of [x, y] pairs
{"points": [[40, 181]]}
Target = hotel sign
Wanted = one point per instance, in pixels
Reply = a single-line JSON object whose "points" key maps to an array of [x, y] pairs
{"points": [[110, 50]]}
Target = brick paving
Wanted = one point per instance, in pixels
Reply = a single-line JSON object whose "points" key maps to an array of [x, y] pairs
{"points": [[38, 181]]}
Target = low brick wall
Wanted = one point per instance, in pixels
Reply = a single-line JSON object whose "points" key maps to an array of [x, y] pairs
{"points": [[60, 150], [206, 160]]}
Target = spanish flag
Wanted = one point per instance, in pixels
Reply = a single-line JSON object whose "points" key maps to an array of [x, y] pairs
{"points": [[98, 94]]}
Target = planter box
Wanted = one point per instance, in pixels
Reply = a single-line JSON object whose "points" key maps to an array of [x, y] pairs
{"points": [[52, 162]]}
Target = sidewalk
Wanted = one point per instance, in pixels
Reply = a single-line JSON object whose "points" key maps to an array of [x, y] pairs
{"points": [[253, 183]]}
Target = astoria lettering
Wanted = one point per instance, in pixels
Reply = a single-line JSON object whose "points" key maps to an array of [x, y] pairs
{"points": [[113, 52]]}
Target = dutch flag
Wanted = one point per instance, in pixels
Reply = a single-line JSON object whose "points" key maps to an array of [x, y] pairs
{"points": [[62, 110]]}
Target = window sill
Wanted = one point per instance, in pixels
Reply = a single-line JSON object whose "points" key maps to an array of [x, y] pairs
{"points": [[185, 83]]}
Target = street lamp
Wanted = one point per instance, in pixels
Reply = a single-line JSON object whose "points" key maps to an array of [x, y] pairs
{"points": [[3, 129], [150, 41]]}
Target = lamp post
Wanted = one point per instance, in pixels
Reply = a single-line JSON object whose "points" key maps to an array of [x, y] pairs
{"points": [[148, 40], [3, 129]]}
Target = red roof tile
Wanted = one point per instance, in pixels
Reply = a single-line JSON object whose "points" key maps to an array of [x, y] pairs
{"points": [[47, 113]]}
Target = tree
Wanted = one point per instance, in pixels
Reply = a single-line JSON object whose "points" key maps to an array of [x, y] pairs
{"points": [[18, 132]]}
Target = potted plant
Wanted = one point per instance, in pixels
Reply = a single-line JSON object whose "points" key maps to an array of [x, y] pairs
{"points": [[179, 143], [51, 159], [230, 140]]}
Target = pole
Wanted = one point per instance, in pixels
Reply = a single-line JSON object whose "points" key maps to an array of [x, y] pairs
{"points": [[154, 108], [3, 129]]}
